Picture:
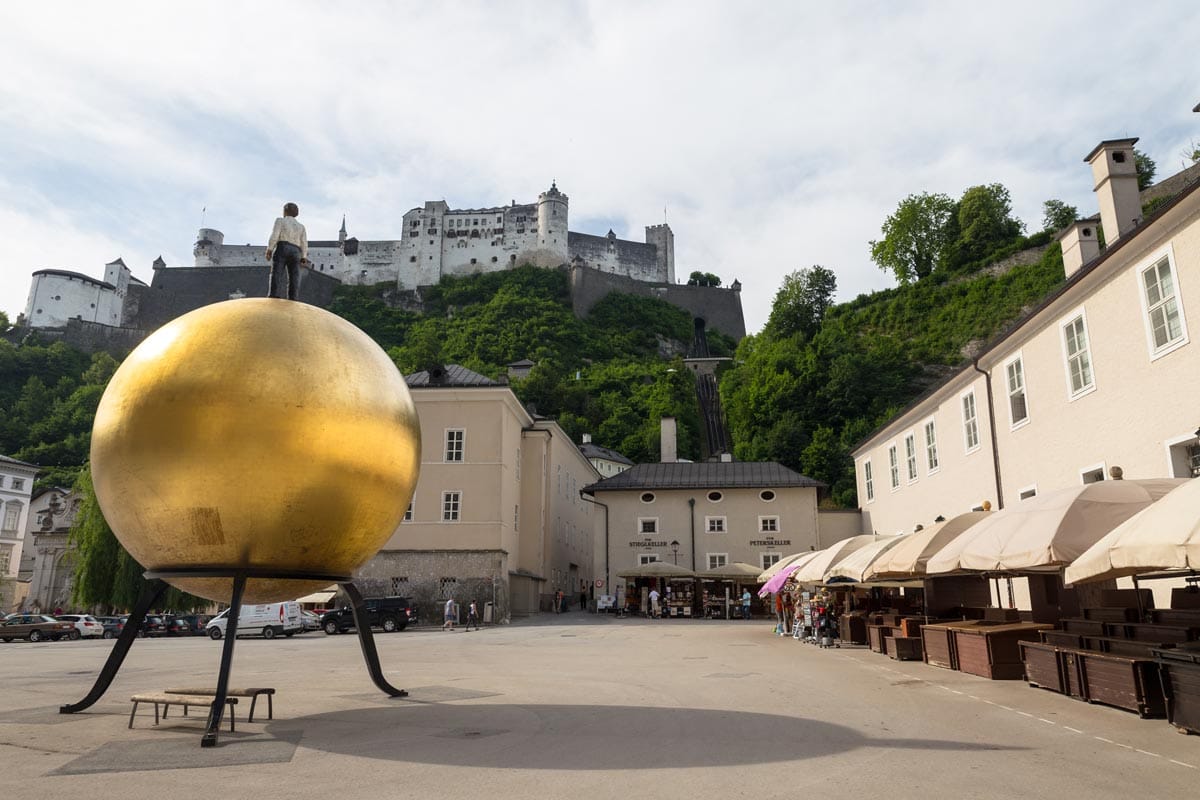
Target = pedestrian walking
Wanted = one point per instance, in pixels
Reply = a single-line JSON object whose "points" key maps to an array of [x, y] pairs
{"points": [[745, 604], [472, 615], [583, 597], [558, 601], [450, 615], [654, 609]]}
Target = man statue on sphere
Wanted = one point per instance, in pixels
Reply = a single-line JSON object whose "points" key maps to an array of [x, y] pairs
{"points": [[287, 249]]}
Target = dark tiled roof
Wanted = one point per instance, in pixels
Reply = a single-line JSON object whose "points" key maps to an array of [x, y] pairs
{"points": [[77, 275], [454, 375], [524, 362], [7, 460], [590, 450], [704, 475]]}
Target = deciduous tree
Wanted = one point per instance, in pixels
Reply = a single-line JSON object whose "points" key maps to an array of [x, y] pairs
{"points": [[914, 236]]}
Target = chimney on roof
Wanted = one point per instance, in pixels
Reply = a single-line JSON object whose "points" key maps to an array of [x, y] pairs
{"points": [[587, 438], [669, 453], [1115, 172], [1079, 245]]}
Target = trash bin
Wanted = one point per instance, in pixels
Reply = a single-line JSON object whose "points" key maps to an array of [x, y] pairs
{"points": [[489, 612]]}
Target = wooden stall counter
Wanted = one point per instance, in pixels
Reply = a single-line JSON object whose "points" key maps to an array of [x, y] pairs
{"points": [[993, 651]]}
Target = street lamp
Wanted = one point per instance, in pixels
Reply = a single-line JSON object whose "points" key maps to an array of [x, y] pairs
{"points": [[675, 551]]}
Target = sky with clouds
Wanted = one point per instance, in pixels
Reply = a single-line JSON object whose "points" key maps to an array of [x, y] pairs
{"points": [[771, 135]]}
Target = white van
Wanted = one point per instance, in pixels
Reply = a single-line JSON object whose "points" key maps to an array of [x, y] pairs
{"points": [[268, 620]]}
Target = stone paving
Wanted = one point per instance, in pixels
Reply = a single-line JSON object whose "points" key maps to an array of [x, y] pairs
{"points": [[573, 706]]}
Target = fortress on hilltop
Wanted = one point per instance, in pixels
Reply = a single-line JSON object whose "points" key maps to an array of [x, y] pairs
{"points": [[437, 241]]}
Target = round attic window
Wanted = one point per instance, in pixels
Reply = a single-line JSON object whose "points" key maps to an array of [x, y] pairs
{"points": [[766, 495], [648, 497], [715, 497]]}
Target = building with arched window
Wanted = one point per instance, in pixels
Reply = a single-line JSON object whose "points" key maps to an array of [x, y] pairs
{"points": [[16, 486]]}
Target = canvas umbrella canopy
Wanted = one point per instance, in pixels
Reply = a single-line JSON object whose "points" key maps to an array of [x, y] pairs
{"points": [[909, 557], [657, 569], [737, 571], [813, 570], [854, 566], [1050, 530], [1165, 536], [776, 582], [782, 564]]}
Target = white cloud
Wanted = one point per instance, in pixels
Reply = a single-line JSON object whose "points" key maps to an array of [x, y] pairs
{"points": [[777, 135]]}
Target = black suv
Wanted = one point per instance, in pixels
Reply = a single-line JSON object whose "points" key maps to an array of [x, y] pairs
{"points": [[390, 613]]}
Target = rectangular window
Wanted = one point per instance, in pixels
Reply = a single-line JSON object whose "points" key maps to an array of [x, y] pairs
{"points": [[768, 524], [716, 560], [400, 586], [647, 558], [869, 480], [1018, 412], [714, 524], [647, 525], [11, 512], [931, 455], [910, 456], [1027, 492], [1079, 356], [18, 484], [894, 467], [970, 422], [454, 444], [451, 506], [516, 517], [1162, 306], [408, 514], [769, 559], [447, 587]]}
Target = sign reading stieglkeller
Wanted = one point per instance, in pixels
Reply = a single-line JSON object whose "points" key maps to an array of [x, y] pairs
{"points": [[649, 544], [770, 542]]}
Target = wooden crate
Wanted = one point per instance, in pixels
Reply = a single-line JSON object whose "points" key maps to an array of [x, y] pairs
{"points": [[877, 638], [906, 648], [1062, 639], [1084, 626], [1127, 682], [1043, 665], [1180, 675], [993, 651], [1073, 683]]}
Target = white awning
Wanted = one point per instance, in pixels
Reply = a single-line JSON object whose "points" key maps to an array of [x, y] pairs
{"points": [[316, 597]]}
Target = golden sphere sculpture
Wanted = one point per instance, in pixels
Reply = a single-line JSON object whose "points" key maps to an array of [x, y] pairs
{"points": [[256, 434]]}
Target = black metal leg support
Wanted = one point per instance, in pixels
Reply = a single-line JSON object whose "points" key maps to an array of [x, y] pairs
{"points": [[367, 640], [150, 593], [231, 623]]}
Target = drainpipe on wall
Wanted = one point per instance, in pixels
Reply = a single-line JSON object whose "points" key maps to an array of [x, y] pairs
{"points": [[992, 425], [582, 496], [692, 514]]}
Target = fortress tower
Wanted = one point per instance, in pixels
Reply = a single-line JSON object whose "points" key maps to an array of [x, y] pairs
{"points": [[208, 247], [552, 228]]}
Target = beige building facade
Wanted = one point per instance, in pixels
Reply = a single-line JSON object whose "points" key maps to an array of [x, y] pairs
{"points": [[16, 489], [1100, 375], [496, 516], [702, 515]]}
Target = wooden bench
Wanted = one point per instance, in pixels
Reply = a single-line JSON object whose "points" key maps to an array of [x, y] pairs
{"points": [[251, 693], [168, 699]]}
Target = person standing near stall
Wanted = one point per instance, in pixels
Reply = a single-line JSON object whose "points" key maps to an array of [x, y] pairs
{"points": [[745, 604], [654, 612]]}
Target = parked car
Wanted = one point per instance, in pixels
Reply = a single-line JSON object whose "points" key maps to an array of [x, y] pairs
{"points": [[389, 613], [36, 628], [112, 626], [153, 625], [311, 620], [266, 619], [86, 625], [188, 624]]}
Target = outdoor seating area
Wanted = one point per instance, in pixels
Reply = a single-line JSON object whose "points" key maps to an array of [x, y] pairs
{"points": [[930, 595]]}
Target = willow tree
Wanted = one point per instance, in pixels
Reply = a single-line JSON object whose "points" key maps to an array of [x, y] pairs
{"points": [[105, 574]]}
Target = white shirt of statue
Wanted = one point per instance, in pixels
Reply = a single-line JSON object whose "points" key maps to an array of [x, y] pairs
{"points": [[289, 229]]}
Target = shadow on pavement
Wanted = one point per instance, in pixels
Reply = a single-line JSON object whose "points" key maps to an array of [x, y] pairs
{"points": [[586, 737]]}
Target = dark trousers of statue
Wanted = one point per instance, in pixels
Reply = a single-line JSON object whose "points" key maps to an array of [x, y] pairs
{"points": [[286, 257]]}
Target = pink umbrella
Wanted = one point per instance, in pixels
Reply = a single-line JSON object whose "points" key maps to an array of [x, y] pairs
{"points": [[780, 578]]}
